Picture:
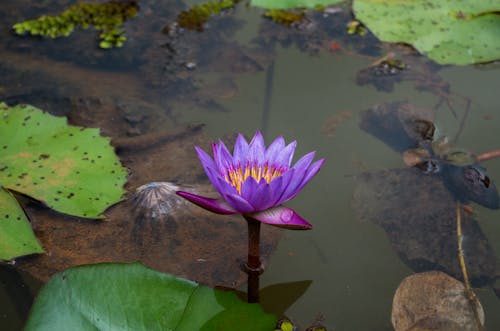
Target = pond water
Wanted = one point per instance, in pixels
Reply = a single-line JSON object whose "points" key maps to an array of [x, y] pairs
{"points": [[353, 264]]}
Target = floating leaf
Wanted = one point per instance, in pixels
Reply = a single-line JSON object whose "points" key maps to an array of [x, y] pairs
{"points": [[287, 4], [134, 297], [16, 236], [448, 31], [70, 169]]}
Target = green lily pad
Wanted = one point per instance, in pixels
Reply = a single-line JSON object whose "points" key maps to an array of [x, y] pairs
{"points": [[16, 236], [448, 31], [134, 297], [68, 168], [289, 4]]}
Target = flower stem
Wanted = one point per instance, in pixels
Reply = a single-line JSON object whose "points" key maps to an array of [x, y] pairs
{"points": [[253, 267]]}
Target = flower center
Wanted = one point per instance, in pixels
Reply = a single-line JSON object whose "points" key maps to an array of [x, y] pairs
{"points": [[237, 176]]}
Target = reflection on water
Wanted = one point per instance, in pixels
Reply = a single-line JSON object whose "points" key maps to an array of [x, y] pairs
{"points": [[163, 79]]}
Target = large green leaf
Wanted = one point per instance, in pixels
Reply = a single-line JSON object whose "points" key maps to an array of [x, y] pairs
{"points": [[16, 236], [134, 297], [289, 4], [70, 169], [448, 31]]}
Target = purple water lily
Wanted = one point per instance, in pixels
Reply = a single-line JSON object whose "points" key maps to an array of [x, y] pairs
{"points": [[255, 181]]}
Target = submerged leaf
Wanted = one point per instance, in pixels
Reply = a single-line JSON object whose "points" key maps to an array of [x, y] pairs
{"points": [[134, 297], [471, 183], [288, 4], [400, 125], [448, 31], [418, 214], [70, 169], [16, 236]]}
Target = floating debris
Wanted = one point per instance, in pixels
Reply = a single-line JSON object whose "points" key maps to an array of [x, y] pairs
{"points": [[156, 200], [332, 122], [154, 205], [383, 74], [410, 130]]}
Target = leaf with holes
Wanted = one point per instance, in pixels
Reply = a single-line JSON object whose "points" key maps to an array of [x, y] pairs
{"points": [[448, 31], [68, 168], [133, 297]]}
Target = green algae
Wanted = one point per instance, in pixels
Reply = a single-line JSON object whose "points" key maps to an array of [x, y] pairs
{"points": [[195, 17], [107, 18]]}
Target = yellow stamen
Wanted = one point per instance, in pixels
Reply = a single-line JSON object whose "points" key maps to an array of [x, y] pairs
{"points": [[237, 176]]}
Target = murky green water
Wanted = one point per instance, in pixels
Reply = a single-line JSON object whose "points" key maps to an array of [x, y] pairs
{"points": [[354, 270], [316, 101]]}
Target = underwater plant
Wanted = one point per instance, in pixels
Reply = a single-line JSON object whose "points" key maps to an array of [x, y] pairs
{"points": [[285, 17], [195, 17], [255, 181], [287, 4], [107, 18]]}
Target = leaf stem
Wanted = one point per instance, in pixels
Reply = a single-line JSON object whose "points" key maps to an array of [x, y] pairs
{"points": [[471, 296], [488, 155]]}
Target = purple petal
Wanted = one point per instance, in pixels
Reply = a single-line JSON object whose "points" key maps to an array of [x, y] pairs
{"points": [[218, 206], [311, 172], [205, 159], [302, 178], [283, 217], [219, 183], [286, 178], [223, 159], [240, 150], [304, 161], [273, 150], [291, 189], [284, 157], [256, 150], [208, 165], [239, 204], [276, 189], [258, 195]]}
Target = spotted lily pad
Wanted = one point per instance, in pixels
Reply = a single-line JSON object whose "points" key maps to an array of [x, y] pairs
{"points": [[288, 4], [16, 237], [448, 31], [134, 297], [70, 169]]}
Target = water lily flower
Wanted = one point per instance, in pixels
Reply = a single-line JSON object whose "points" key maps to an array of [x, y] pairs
{"points": [[255, 181]]}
